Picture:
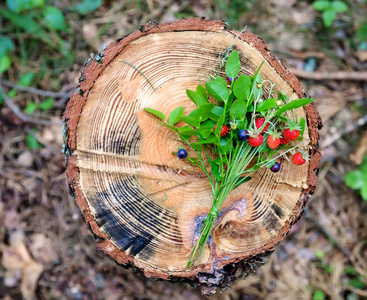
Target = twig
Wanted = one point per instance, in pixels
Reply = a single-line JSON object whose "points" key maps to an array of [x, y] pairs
{"points": [[355, 76], [336, 136], [33, 90], [313, 218], [15, 109]]}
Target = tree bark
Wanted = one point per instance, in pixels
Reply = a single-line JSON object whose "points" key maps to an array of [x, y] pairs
{"points": [[143, 204]]}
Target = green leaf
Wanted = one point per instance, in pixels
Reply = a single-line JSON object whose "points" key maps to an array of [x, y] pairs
{"points": [[200, 90], [221, 81], [31, 142], [195, 97], [256, 79], [321, 5], [216, 113], [217, 90], [242, 87], [328, 16], [88, 6], [173, 128], [202, 112], [5, 63], [30, 108], [20, 5], [266, 105], [233, 64], [26, 79], [293, 105], [339, 6], [354, 180], [241, 180], [238, 110], [364, 191], [215, 170], [175, 115], [190, 120], [210, 140], [47, 104], [27, 23], [302, 124], [55, 19], [6, 45], [318, 295], [156, 113], [205, 131]]}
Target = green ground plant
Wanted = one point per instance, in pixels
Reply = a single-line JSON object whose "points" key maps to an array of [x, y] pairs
{"points": [[357, 179]]}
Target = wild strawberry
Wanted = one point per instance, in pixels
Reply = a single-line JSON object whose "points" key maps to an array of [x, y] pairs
{"points": [[256, 141], [224, 131], [291, 135], [284, 141], [292, 131], [298, 159], [273, 141], [260, 122]]}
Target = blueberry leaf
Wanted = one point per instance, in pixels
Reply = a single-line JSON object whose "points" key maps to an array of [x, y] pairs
{"points": [[156, 113], [175, 115], [238, 110], [233, 64], [217, 90], [200, 90], [242, 87], [195, 97]]}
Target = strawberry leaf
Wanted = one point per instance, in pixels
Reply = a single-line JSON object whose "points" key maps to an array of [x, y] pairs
{"points": [[293, 105]]}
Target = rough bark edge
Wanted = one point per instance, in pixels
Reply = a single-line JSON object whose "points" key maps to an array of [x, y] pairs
{"points": [[226, 273]]}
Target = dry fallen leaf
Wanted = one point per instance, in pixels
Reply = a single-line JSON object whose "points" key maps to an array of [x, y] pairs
{"points": [[42, 249], [15, 259]]}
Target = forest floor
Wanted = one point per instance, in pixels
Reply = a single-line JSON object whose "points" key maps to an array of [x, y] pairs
{"points": [[47, 251]]}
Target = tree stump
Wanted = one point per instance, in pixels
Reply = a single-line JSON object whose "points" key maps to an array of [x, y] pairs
{"points": [[143, 204]]}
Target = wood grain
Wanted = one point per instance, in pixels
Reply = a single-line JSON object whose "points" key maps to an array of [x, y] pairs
{"points": [[143, 203]]}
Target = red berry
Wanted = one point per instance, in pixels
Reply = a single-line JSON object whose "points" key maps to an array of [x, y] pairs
{"points": [[224, 131], [273, 141], [298, 159], [260, 122], [291, 134], [256, 141], [284, 141]]}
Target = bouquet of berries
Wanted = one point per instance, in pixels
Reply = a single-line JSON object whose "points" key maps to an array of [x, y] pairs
{"points": [[240, 125]]}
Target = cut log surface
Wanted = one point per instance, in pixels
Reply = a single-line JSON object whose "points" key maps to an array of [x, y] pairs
{"points": [[143, 204]]}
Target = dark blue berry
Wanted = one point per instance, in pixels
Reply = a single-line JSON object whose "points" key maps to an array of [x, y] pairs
{"points": [[182, 153], [243, 135], [231, 79], [275, 168]]}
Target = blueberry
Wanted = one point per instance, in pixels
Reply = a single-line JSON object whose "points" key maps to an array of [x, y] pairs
{"points": [[182, 153], [275, 168], [243, 135], [231, 79]]}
